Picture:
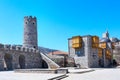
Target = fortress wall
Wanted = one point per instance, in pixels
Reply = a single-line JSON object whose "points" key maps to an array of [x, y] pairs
{"points": [[32, 56]]}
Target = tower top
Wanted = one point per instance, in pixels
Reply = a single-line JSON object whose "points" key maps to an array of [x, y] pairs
{"points": [[29, 18]]}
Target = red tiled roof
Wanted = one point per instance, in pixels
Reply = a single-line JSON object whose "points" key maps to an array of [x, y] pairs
{"points": [[59, 53]]}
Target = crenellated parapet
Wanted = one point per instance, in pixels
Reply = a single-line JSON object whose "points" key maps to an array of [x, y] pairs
{"points": [[18, 48], [29, 18]]}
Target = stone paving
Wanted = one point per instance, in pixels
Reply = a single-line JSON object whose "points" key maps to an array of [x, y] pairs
{"points": [[10, 75], [98, 74], [77, 71]]}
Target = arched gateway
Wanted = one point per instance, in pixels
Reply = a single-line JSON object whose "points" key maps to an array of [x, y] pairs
{"points": [[22, 61], [8, 62]]}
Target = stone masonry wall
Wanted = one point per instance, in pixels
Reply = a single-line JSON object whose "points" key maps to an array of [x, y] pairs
{"points": [[31, 56]]}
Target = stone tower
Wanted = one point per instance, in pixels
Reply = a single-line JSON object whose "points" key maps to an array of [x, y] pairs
{"points": [[30, 32]]}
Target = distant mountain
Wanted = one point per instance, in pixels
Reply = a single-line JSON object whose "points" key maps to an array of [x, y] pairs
{"points": [[46, 50]]}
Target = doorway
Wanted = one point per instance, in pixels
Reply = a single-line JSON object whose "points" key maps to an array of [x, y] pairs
{"points": [[8, 62], [44, 64], [22, 61]]}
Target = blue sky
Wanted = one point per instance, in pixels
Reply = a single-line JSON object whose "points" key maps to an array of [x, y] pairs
{"points": [[59, 20]]}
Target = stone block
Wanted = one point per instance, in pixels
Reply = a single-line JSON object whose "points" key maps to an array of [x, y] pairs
{"points": [[62, 70]]}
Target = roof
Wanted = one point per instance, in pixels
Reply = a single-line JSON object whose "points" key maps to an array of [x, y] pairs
{"points": [[58, 53], [105, 40], [114, 39]]}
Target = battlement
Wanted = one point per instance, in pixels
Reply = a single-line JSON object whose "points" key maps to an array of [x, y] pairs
{"points": [[18, 48], [30, 18]]}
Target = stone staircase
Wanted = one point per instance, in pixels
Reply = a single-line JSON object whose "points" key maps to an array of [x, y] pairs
{"points": [[51, 64]]}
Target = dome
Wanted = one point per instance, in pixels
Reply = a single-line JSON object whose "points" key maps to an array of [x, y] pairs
{"points": [[105, 40]]}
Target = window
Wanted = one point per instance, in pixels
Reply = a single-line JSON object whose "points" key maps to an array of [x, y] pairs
{"points": [[94, 55], [77, 52], [33, 22]]}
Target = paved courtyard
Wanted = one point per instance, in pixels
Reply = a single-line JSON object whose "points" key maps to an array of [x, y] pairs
{"points": [[10, 75], [98, 74]]}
